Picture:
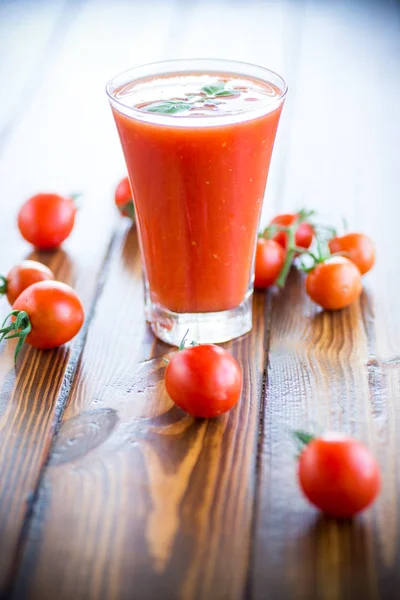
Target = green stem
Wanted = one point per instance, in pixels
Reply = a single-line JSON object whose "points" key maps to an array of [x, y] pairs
{"points": [[300, 250], [303, 437], [3, 285], [291, 233], [327, 231], [303, 216], [20, 327], [280, 282], [75, 197], [183, 342], [129, 210], [320, 255], [270, 231]]}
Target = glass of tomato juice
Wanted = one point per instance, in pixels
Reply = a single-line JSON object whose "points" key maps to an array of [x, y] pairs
{"points": [[197, 136]]}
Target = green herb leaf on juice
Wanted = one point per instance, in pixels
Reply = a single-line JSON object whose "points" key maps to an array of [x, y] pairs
{"points": [[218, 89], [172, 107], [227, 93], [213, 88], [169, 107]]}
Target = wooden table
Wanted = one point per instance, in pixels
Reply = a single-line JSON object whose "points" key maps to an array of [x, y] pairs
{"points": [[106, 490]]}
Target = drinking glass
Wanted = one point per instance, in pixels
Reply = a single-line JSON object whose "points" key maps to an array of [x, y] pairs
{"points": [[198, 184]]}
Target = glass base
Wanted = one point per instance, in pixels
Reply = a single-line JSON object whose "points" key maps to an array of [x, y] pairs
{"points": [[204, 328]]}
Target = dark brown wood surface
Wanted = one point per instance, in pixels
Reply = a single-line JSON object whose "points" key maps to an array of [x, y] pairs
{"points": [[106, 490]]}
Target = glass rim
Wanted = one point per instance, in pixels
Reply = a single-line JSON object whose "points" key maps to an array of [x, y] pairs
{"points": [[189, 65]]}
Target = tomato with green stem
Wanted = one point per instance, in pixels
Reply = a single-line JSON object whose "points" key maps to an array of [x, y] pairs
{"points": [[357, 247], [46, 315], [303, 229], [289, 228], [22, 276], [269, 261], [337, 474], [124, 199], [46, 220], [204, 380]]}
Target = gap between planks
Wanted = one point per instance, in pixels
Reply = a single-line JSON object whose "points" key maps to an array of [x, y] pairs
{"points": [[292, 60], [62, 401]]}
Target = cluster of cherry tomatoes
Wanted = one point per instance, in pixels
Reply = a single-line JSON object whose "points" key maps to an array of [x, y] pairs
{"points": [[336, 473], [333, 264], [47, 313]]}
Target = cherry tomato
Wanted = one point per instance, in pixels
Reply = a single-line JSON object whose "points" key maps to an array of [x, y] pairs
{"points": [[22, 276], [304, 233], [205, 381], [338, 475], [123, 199], [357, 247], [47, 314], [46, 220], [270, 258], [335, 283]]}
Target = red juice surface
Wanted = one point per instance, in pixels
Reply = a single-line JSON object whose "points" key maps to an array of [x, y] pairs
{"points": [[198, 177]]}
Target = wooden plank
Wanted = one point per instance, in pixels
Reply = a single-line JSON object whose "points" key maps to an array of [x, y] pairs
{"points": [[25, 414], [337, 371], [61, 146], [158, 490], [151, 495], [381, 315]]}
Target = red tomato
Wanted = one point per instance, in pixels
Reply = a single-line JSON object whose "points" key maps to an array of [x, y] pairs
{"points": [[270, 258], [46, 220], [47, 314], [205, 381], [357, 247], [338, 475], [334, 284], [55, 312], [124, 199], [304, 233], [22, 276]]}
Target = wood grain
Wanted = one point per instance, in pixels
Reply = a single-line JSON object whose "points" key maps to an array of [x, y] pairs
{"points": [[55, 134], [28, 397], [133, 498], [332, 371], [159, 491], [32, 399], [317, 380], [123, 450]]}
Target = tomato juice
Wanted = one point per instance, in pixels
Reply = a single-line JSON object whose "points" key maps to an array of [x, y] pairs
{"points": [[197, 145]]}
